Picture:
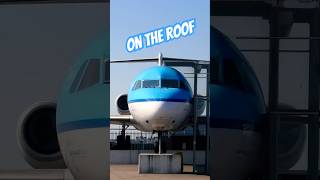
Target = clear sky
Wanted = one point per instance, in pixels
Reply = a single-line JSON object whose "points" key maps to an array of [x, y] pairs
{"points": [[129, 17]]}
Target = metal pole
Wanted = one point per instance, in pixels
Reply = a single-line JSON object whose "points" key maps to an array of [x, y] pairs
{"points": [[123, 130], [195, 102], [160, 59], [273, 96], [159, 140], [207, 123], [313, 101]]}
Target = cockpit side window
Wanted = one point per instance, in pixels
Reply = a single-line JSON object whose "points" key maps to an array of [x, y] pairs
{"points": [[107, 72], [150, 84], [231, 75], [251, 82], [137, 85], [76, 80], [169, 83], [91, 74], [182, 85]]}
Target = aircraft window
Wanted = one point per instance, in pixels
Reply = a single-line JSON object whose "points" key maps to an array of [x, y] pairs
{"points": [[107, 72], [167, 83], [137, 85], [215, 71], [77, 78], [91, 75], [150, 84], [231, 74], [183, 85], [250, 80]]}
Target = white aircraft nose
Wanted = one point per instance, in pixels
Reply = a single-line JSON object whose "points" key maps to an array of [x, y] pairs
{"points": [[160, 115]]}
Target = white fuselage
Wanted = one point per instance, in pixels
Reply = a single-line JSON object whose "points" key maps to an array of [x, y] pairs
{"points": [[159, 115], [233, 153], [86, 152]]}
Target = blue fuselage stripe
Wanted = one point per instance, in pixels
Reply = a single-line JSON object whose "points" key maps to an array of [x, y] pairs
{"points": [[159, 99], [83, 124]]}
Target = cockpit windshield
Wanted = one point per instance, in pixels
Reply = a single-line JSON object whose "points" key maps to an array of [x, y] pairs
{"points": [[168, 83], [163, 83], [150, 84]]}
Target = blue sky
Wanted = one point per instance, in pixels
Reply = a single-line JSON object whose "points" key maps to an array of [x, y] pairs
{"points": [[130, 17]]}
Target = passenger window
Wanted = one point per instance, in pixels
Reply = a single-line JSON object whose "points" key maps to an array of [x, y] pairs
{"points": [[231, 75], [167, 83], [150, 84], [91, 75], [137, 85]]}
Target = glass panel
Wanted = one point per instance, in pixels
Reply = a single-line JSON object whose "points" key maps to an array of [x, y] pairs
{"points": [[91, 75], [183, 85], [151, 84], [294, 92], [77, 78], [292, 145], [107, 72], [137, 85], [231, 74], [167, 83]]}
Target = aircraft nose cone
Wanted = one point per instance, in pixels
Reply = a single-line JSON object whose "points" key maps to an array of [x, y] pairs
{"points": [[160, 115]]}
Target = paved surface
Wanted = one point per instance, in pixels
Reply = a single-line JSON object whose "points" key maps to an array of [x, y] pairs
{"points": [[130, 172]]}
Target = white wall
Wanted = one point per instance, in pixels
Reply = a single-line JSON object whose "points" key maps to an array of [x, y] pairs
{"points": [[131, 156]]}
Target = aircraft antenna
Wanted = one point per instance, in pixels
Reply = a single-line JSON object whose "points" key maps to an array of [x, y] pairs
{"points": [[160, 62]]}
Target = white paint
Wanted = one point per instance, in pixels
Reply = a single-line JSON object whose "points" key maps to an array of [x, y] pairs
{"points": [[86, 153], [159, 115], [160, 163], [235, 151], [131, 156]]}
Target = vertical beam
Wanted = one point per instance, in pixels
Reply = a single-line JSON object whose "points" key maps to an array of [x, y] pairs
{"points": [[273, 63], [313, 97], [159, 141], [123, 131], [273, 95], [195, 123], [208, 120]]}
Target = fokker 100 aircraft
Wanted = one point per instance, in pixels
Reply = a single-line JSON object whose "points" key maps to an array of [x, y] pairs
{"points": [[74, 132], [159, 99]]}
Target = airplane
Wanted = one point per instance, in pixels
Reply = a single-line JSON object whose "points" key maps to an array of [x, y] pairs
{"points": [[73, 133], [160, 99], [237, 111]]}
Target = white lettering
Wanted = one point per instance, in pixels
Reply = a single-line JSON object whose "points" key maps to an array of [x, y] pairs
{"points": [[169, 33], [191, 25], [160, 35], [130, 44], [185, 28]]}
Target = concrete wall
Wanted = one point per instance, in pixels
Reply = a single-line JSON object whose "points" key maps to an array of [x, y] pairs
{"points": [[131, 156]]}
